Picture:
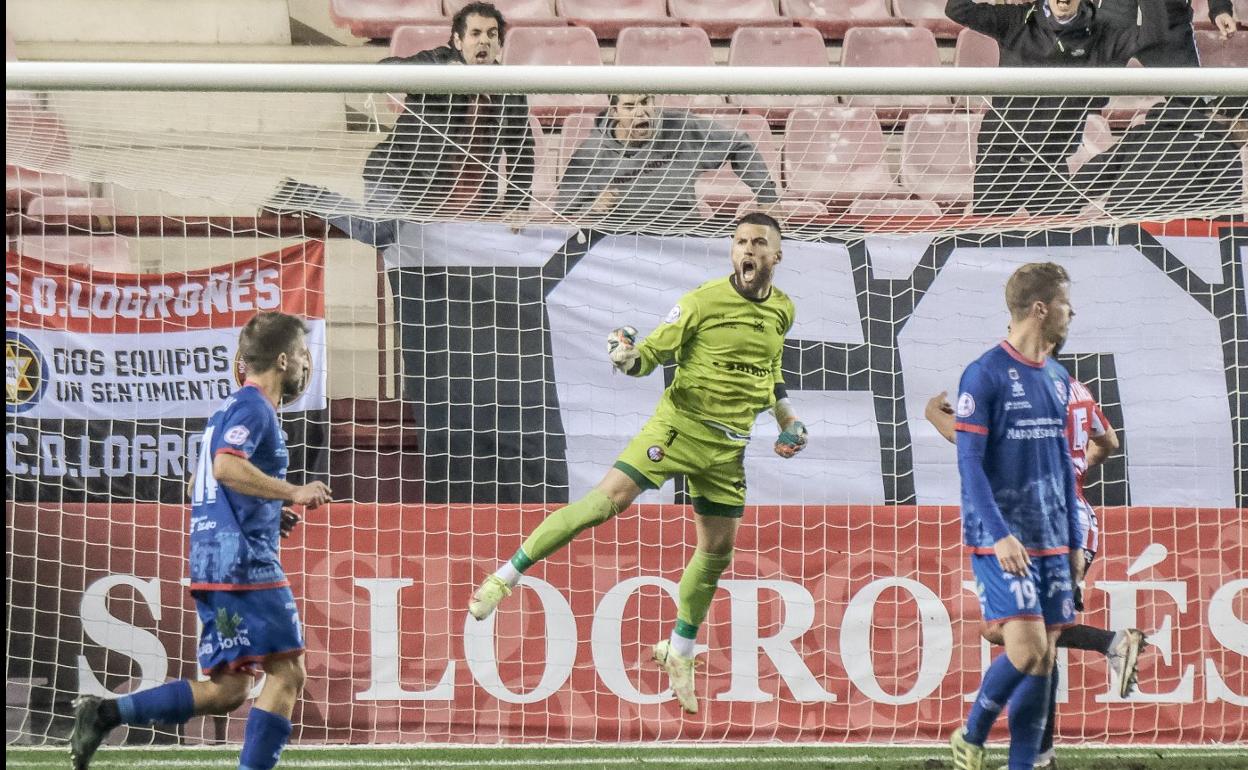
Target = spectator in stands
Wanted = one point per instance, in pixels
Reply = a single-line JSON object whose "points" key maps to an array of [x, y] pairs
{"points": [[639, 164], [445, 153], [1024, 140], [1177, 48], [1189, 159]]}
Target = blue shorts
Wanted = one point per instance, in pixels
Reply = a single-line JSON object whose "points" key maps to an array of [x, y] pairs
{"points": [[243, 629], [1045, 594]]}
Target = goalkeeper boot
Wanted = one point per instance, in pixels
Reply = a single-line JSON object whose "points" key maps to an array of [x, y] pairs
{"points": [[966, 756], [88, 730], [1124, 658], [679, 674], [488, 596]]}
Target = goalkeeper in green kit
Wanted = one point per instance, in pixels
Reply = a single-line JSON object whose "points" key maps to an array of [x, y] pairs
{"points": [[727, 338]]}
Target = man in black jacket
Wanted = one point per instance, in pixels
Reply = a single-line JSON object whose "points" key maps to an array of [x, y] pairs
{"points": [[1174, 161], [1024, 140], [1178, 46], [446, 153]]}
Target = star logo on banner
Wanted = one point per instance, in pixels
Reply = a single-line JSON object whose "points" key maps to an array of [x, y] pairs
{"points": [[25, 376]]}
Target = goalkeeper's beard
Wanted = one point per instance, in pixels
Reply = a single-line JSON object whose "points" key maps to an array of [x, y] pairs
{"points": [[758, 284]]}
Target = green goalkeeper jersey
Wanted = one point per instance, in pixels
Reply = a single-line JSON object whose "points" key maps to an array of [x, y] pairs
{"points": [[727, 349]]}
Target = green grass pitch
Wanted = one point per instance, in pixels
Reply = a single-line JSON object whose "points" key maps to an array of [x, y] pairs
{"points": [[803, 757]]}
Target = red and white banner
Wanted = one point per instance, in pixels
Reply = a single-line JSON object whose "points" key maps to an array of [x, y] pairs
{"points": [[833, 623], [94, 345], [111, 376]]}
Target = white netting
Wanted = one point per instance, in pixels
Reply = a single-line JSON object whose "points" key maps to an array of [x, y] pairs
{"points": [[466, 394], [931, 164]]}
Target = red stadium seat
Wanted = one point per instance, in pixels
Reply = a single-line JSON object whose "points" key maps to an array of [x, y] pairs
{"points": [[722, 190], [22, 185], [608, 17], [836, 155], [929, 14], [1216, 52], [976, 50], [771, 47], [673, 47], [110, 253], [518, 13], [721, 18], [892, 47], [833, 17], [938, 156], [410, 40], [378, 18], [555, 46], [575, 131], [545, 167], [894, 207]]}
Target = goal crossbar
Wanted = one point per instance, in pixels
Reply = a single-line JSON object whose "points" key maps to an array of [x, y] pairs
{"points": [[982, 81]]}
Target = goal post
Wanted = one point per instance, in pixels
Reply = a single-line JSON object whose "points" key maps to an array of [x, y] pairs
{"points": [[459, 283]]}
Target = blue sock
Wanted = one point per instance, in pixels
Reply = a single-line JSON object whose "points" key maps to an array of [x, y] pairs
{"points": [[1028, 706], [169, 704], [263, 740], [1046, 742], [999, 682]]}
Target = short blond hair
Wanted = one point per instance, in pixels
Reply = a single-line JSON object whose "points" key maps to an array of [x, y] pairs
{"points": [[1031, 283]]}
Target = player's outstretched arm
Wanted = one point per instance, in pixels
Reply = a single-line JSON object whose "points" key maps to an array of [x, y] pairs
{"points": [[240, 475], [793, 435]]}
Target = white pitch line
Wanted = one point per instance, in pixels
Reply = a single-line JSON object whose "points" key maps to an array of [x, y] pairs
{"points": [[652, 758]]}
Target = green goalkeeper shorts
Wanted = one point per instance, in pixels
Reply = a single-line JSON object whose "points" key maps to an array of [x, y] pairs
{"points": [[714, 469]]}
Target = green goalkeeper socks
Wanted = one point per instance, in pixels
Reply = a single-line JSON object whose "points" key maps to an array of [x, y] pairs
{"points": [[697, 588], [558, 529]]}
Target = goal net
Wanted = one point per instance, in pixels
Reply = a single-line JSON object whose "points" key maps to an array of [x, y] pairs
{"points": [[460, 259]]}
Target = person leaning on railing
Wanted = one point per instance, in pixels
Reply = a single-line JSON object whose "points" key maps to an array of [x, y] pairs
{"points": [[1024, 140]]}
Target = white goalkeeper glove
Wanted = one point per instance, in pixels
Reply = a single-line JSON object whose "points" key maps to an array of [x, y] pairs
{"points": [[622, 348]]}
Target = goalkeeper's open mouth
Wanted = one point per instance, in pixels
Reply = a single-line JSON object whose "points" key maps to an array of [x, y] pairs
{"points": [[748, 271]]}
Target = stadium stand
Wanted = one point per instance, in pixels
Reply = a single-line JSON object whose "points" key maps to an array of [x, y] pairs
{"points": [[836, 155], [975, 50], [518, 13], [938, 156], [833, 17], [412, 39], [777, 47], [1200, 14], [546, 166], [892, 47], [607, 18], [673, 47], [929, 14], [894, 207], [555, 46], [378, 18], [111, 253], [721, 18]]}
